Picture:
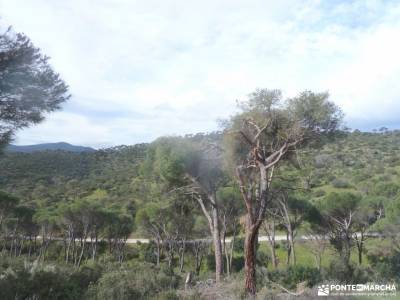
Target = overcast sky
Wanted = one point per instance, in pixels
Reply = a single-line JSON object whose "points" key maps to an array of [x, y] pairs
{"points": [[141, 69]]}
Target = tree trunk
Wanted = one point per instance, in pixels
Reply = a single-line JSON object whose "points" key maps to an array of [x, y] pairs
{"points": [[289, 248], [30, 246], [273, 254], [181, 261], [213, 222], [94, 253], [217, 245], [232, 245], [360, 242], [270, 229], [83, 243], [228, 271], [198, 248], [170, 245], [158, 244], [182, 249], [254, 219], [318, 260], [250, 242], [346, 251], [71, 236], [293, 253]]}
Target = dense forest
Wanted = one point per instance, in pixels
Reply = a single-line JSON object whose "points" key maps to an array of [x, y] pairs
{"points": [[85, 207]]}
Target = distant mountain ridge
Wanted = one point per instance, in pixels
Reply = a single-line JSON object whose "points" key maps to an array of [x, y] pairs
{"points": [[48, 147]]}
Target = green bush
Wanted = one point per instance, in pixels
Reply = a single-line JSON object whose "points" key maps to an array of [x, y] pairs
{"points": [[167, 295], [237, 263], [147, 252], [43, 281], [296, 274], [340, 183], [362, 274], [386, 267], [210, 263], [141, 281], [319, 193], [239, 245], [387, 189], [262, 258], [86, 275], [341, 271]]}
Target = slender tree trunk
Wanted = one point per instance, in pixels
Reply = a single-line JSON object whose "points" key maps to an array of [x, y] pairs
{"points": [[270, 229], [346, 251], [213, 221], [232, 245], [288, 250], [318, 261], [70, 237], [83, 244], [181, 261], [21, 245], [182, 249], [96, 240], [293, 253], [158, 245], [217, 245], [228, 271], [197, 257], [251, 239], [360, 248], [170, 252], [273, 254], [35, 244], [198, 246], [30, 246]]}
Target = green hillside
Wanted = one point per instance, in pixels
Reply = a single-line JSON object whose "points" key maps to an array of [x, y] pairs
{"points": [[368, 163]]}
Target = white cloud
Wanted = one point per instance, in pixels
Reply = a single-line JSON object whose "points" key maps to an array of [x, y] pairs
{"points": [[139, 69]]}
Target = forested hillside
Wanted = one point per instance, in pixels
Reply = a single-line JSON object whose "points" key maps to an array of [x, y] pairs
{"points": [[57, 176], [48, 146], [358, 161]]}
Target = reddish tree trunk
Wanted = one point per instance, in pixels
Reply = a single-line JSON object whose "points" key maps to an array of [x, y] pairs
{"points": [[250, 245]]}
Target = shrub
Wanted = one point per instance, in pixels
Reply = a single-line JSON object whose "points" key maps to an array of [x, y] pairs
{"points": [[296, 274], [147, 252], [341, 271], [362, 274], [340, 183], [319, 193], [41, 281], [323, 161], [86, 275], [361, 177], [237, 263], [142, 281], [387, 189], [210, 263], [167, 295], [262, 258], [239, 245], [387, 266]]}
